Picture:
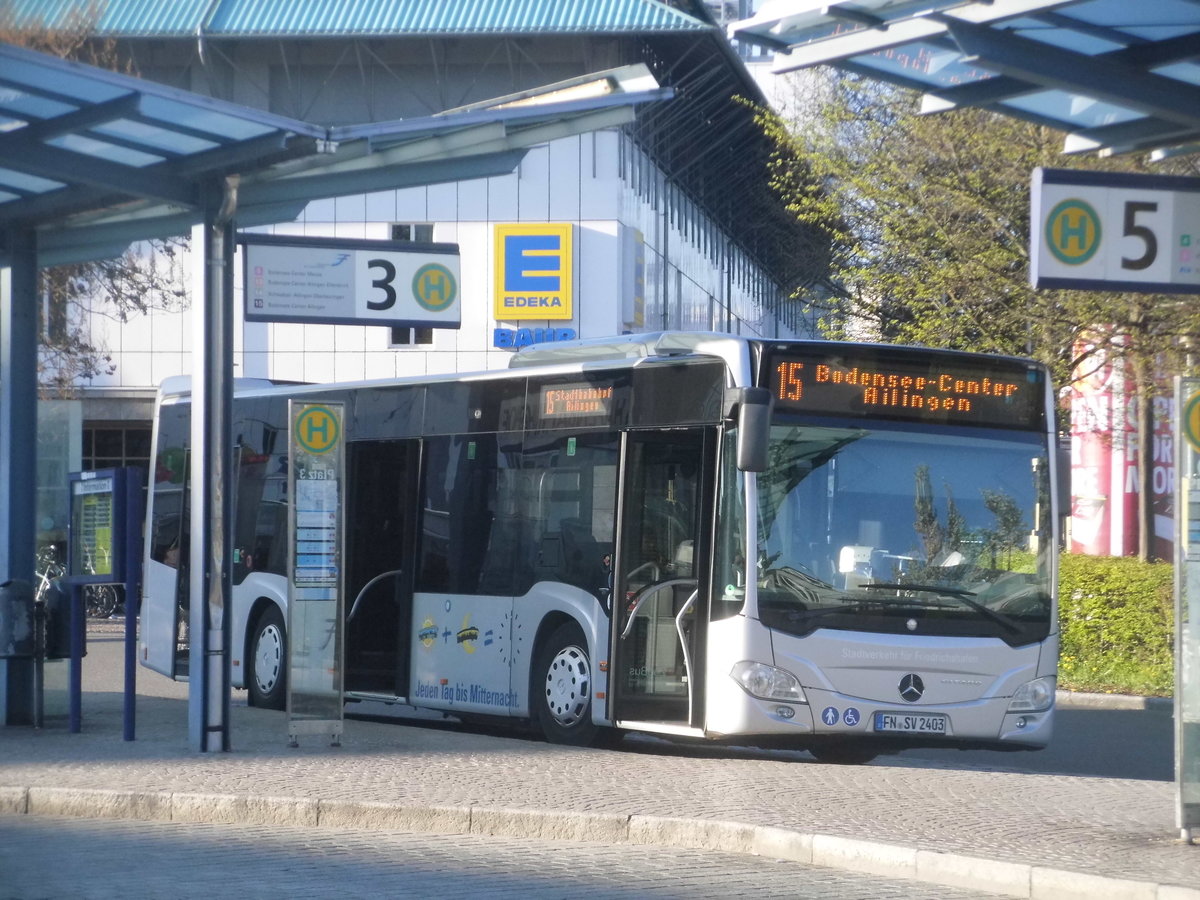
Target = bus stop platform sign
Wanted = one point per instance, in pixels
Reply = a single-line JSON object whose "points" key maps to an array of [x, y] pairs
{"points": [[1114, 231], [316, 475]]}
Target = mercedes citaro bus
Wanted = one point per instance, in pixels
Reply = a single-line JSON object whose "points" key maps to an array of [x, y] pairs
{"points": [[846, 548]]}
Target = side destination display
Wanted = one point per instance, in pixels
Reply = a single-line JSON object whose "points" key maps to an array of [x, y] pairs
{"points": [[1003, 393]]}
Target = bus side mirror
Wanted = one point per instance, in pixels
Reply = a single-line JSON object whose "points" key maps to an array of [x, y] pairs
{"points": [[753, 427]]}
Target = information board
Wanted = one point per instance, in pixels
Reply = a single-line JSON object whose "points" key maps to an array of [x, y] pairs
{"points": [[341, 282], [316, 478], [1114, 231], [98, 530], [1187, 612]]}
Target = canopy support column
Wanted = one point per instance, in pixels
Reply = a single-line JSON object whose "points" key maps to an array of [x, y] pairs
{"points": [[18, 467], [211, 481]]}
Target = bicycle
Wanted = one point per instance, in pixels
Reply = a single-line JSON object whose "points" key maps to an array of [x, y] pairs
{"points": [[49, 570], [100, 601]]}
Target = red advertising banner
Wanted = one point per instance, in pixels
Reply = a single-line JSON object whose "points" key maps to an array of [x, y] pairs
{"points": [[1104, 469]]}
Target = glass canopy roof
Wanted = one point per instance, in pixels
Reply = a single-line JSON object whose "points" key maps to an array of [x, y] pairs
{"points": [[94, 160], [1116, 75]]}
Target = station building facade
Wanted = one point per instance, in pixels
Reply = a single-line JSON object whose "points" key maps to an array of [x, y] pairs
{"points": [[665, 223]]}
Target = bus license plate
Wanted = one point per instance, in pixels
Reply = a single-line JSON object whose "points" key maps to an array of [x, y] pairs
{"points": [[910, 723]]}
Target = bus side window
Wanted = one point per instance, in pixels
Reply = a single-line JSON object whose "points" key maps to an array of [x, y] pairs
{"points": [[457, 524]]}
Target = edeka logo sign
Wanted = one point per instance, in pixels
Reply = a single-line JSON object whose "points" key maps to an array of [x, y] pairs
{"points": [[534, 271]]}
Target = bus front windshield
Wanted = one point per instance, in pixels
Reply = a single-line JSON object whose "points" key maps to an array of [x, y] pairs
{"points": [[896, 529]]}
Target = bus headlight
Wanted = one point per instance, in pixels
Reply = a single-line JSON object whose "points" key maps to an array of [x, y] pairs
{"points": [[767, 682], [1033, 696]]}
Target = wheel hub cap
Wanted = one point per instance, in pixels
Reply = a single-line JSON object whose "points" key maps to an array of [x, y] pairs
{"points": [[568, 685], [267, 658]]}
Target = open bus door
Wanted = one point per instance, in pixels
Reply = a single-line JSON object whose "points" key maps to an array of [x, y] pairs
{"points": [[382, 505], [163, 614], [660, 608]]}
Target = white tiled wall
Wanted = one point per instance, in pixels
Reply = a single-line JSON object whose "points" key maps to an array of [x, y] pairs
{"points": [[573, 180]]}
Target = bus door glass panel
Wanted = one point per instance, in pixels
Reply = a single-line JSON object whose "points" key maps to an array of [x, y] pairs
{"points": [[380, 525], [662, 547], [164, 608], [568, 485], [462, 644], [260, 527]]}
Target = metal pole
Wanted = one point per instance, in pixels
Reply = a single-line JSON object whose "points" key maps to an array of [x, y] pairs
{"points": [[75, 690], [212, 404], [134, 510]]}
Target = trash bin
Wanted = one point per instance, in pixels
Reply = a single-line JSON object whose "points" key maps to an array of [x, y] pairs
{"points": [[58, 621], [16, 619]]}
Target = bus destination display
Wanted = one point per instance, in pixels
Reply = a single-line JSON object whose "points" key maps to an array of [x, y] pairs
{"points": [[564, 401], [948, 392]]}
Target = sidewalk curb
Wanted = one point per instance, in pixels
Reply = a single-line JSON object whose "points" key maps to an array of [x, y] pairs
{"points": [[870, 857], [1081, 700]]}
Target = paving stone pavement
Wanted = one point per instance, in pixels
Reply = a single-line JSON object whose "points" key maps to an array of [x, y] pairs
{"points": [[1030, 835], [117, 859]]}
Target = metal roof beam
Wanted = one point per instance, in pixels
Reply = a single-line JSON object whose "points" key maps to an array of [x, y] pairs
{"points": [[46, 161], [80, 120], [1151, 132], [338, 184], [1001, 87], [831, 50], [1029, 60]]}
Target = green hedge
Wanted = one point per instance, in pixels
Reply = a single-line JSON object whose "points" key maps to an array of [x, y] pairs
{"points": [[1117, 617]]}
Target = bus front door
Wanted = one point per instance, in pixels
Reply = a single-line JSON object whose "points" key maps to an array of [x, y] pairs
{"points": [[380, 540], [660, 603]]}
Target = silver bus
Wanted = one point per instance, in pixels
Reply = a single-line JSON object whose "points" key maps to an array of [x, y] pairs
{"points": [[844, 548]]}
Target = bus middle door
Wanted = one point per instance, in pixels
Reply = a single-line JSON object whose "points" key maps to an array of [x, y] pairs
{"points": [[381, 510], [660, 607]]}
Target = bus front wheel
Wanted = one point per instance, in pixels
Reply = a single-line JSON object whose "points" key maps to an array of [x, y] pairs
{"points": [[266, 663], [562, 690]]}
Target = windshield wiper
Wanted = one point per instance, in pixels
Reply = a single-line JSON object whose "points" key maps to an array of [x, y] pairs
{"points": [[956, 593]]}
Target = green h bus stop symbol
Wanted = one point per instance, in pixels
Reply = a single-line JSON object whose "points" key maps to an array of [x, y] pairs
{"points": [[1073, 232], [434, 287], [317, 429]]}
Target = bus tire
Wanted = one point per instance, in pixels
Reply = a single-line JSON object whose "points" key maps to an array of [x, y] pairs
{"points": [[843, 753], [562, 689], [266, 663]]}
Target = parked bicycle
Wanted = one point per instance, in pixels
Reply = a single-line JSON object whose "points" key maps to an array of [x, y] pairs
{"points": [[100, 601], [49, 570]]}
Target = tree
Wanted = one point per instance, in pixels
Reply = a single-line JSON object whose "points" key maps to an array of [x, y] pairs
{"points": [[144, 278], [928, 222]]}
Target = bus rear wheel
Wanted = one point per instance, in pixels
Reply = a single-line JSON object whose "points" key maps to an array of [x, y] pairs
{"points": [[562, 688], [266, 663]]}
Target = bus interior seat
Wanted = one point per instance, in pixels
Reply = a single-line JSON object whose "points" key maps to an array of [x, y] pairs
{"points": [[582, 557]]}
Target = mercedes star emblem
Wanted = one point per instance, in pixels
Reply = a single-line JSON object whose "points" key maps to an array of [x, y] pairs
{"points": [[911, 688]]}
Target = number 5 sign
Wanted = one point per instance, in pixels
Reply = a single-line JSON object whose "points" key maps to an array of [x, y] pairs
{"points": [[1111, 231], [345, 282]]}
